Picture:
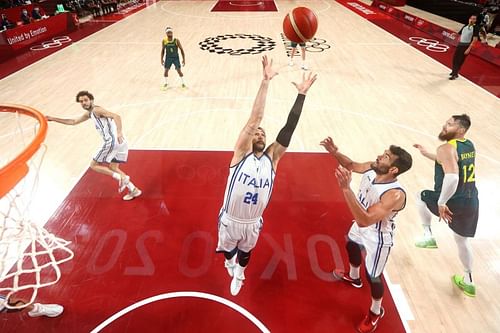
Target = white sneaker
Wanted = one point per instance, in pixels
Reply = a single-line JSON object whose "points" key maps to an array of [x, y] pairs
{"points": [[304, 67], [237, 281], [49, 310], [122, 184], [290, 63], [132, 195], [230, 264]]}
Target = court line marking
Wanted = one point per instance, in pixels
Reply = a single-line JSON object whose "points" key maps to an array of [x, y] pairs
{"points": [[217, 15], [77, 42], [195, 294], [410, 45], [274, 119], [259, 3]]}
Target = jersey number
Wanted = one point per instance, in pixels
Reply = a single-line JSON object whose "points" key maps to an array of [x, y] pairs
{"points": [[469, 173], [251, 198]]}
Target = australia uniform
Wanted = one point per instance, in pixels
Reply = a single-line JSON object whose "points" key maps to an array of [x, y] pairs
{"points": [[464, 204], [377, 238], [171, 53], [111, 150], [248, 191]]}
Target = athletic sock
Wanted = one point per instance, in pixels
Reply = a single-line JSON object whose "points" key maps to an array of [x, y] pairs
{"points": [[427, 231], [376, 305], [117, 176], [131, 187], [354, 272], [468, 277]]}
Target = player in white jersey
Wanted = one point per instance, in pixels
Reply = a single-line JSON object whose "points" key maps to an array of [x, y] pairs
{"points": [[251, 178], [379, 199], [114, 150]]}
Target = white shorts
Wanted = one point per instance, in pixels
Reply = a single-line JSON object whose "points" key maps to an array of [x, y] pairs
{"points": [[233, 235], [112, 152], [377, 244]]}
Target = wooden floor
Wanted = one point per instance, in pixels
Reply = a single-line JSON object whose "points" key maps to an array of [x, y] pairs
{"points": [[372, 91]]}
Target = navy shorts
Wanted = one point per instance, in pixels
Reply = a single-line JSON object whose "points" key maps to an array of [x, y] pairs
{"points": [[465, 212], [172, 61]]}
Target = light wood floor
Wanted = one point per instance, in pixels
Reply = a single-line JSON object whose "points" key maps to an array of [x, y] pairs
{"points": [[372, 91]]}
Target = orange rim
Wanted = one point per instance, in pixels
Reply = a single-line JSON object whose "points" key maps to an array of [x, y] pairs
{"points": [[12, 173]]}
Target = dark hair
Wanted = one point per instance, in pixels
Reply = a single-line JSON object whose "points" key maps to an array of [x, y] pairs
{"points": [[84, 93], [262, 130], [463, 120], [404, 160]]}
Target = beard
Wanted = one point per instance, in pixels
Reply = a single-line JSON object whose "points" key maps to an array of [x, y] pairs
{"points": [[446, 136], [89, 107], [379, 170], [258, 147]]}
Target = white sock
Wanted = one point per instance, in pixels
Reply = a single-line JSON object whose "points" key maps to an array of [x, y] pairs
{"points": [[376, 305], [239, 271], [130, 186], [166, 79], [182, 79], [425, 216], [427, 231], [354, 272], [468, 277], [117, 176], [465, 255]]}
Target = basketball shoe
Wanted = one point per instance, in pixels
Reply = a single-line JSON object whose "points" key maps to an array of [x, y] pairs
{"points": [[370, 322]]}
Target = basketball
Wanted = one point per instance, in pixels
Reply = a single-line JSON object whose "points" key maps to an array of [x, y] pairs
{"points": [[300, 25]]}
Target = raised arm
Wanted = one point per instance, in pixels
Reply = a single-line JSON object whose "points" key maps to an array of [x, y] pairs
{"points": [[244, 143], [74, 121], [100, 112], [391, 201], [343, 160], [424, 152], [279, 147]]}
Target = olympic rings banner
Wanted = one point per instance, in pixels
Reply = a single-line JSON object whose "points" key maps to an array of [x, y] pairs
{"points": [[485, 52], [35, 33]]}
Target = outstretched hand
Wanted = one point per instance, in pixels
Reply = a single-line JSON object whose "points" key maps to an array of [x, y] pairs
{"points": [[304, 86], [267, 69], [343, 177], [421, 148], [329, 145]]}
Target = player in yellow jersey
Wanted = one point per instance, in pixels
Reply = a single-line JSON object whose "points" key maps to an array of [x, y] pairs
{"points": [[170, 47]]}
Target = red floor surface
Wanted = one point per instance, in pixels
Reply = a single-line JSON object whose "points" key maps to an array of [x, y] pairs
{"points": [[479, 71], [164, 242], [245, 6]]}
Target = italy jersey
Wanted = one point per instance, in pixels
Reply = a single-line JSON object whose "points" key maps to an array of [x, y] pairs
{"points": [[370, 193], [105, 126], [249, 187]]}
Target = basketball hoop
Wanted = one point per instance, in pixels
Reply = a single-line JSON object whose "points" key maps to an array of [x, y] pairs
{"points": [[24, 271]]}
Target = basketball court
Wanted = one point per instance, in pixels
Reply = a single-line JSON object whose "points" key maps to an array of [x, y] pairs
{"points": [[149, 264]]}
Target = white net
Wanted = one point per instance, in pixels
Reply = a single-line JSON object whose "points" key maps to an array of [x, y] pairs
{"points": [[29, 255]]}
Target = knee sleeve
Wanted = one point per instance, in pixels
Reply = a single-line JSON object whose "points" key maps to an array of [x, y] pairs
{"points": [[243, 258], [376, 286], [230, 254], [354, 251]]}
